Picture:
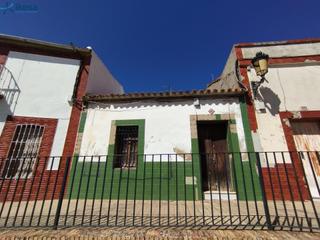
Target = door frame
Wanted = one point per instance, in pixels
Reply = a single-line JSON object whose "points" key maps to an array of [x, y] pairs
{"points": [[232, 141], [285, 118]]}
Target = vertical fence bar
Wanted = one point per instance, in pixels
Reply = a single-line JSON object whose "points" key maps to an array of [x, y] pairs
{"points": [[87, 191], [135, 190], [37, 194], [7, 192], [95, 189], [143, 188], [62, 191], [46, 190], [219, 186], [160, 190], [71, 189], [202, 199], [244, 187], [103, 189], [236, 185], [118, 197], [272, 188], [79, 190], [209, 156], [22, 192], [193, 192], [227, 166], [299, 190], [290, 191], [15, 191], [2, 171], [281, 189], [126, 201], [176, 188], [168, 172], [152, 166], [253, 186], [111, 188], [263, 193], [54, 190], [30, 191], [185, 189]]}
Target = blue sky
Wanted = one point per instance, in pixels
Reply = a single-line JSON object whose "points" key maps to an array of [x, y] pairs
{"points": [[156, 45]]}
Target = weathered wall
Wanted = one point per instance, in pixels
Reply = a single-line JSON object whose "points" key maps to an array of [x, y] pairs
{"points": [[290, 88], [167, 124], [230, 64], [46, 84], [166, 128], [289, 50], [100, 79]]}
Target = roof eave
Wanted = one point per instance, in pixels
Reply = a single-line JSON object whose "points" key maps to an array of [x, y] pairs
{"points": [[275, 43], [164, 96], [32, 43]]}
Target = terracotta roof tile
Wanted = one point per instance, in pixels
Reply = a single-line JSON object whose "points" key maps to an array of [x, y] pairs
{"points": [[166, 95]]}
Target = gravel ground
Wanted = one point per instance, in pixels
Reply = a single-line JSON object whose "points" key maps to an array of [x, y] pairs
{"points": [[149, 233]]}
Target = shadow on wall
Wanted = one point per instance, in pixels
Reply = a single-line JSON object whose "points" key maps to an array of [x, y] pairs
{"points": [[5, 110], [9, 99], [271, 100], [9, 93]]}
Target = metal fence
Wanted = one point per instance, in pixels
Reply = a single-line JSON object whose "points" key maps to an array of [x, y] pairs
{"points": [[269, 190]]}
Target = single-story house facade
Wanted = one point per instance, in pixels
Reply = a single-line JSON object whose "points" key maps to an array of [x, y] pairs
{"points": [[167, 138]]}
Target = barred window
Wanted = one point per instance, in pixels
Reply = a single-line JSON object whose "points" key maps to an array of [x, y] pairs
{"points": [[23, 151], [126, 147]]}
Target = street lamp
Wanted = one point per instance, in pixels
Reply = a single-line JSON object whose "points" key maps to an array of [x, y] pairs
{"points": [[260, 64]]}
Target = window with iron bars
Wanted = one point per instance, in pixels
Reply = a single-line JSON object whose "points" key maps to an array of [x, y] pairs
{"points": [[126, 147], [23, 151]]}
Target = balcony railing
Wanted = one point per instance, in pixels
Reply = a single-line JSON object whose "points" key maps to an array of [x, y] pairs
{"points": [[9, 88], [265, 190]]}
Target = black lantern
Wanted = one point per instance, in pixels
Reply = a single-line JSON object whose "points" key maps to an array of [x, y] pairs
{"points": [[260, 64]]}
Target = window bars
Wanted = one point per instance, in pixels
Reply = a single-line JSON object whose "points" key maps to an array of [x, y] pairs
{"points": [[126, 147], [23, 151]]}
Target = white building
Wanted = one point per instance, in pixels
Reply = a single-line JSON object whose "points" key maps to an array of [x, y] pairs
{"points": [[143, 129], [41, 89], [285, 113]]}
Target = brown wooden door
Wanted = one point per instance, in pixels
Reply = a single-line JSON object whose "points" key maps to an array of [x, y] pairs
{"points": [[214, 160]]}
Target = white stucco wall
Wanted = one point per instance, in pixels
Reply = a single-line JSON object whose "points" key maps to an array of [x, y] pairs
{"points": [[46, 84], [231, 63], [100, 79], [290, 88], [167, 124], [288, 50]]}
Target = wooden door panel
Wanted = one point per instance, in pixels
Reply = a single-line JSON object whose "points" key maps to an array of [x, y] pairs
{"points": [[306, 136], [213, 146]]}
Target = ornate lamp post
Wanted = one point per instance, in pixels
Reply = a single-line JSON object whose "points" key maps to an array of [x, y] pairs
{"points": [[260, 64]]}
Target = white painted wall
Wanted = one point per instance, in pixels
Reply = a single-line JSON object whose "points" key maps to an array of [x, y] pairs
{"points": [[46, 84], [290, 88], [289, 50], [167, 124], [100, 79]]}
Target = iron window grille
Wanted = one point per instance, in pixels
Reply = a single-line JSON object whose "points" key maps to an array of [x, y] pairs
{"points": [[23, 151], [126, 147]]}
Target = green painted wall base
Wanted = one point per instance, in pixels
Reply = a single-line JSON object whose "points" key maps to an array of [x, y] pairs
{"points": [[149, 181]]}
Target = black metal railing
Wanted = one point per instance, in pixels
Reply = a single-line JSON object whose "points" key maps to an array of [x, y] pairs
{"points": [[9, 88], [265, 190]]}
